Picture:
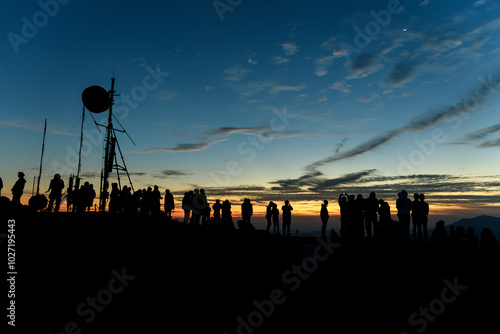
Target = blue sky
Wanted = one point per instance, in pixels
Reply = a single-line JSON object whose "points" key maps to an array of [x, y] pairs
{"points": [[277, 100]]}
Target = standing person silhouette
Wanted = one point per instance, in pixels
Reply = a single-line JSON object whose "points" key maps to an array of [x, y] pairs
{"points": [[287, 217], [1, 186], [403, 204], [371, 209], [187, 205], [246, 210], [269, 215], [169, 203], [416, 217], [91, 197], [18, 189], [56, 185], [276, 219], [217, 207], [424, 211], [344, 213], [324, 217]]}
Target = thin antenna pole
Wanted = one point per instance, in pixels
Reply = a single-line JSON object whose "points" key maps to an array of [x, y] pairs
{"points": [[81, 143], [41, 159], [105, 173]]}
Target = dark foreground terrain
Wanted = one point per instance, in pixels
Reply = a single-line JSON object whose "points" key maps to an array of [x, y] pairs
{"points": [[100, 274]]}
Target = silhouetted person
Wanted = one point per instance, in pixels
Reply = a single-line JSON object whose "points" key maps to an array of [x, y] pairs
{"points": [[187, 202], [217, 207], [287, 217], [371, 210], [56, 187], [416, 217], [227, 218], [344, 213], [197, 202], [403, 204], [384, 211], [358, 217], [81, 199], [91, 197], [439, 236], [114, 199], [424, 211], [1, 186], [269, 215], [351, 216], [156, 201], [246, 210], [125, 199], [488, 245], [169, 204], [18, 189], [324, 217], [472, 240], [276, 219], [205, 207], [136, 201]]}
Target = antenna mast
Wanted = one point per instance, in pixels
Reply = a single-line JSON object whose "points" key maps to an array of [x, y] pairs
{"points": [[41, 159]]}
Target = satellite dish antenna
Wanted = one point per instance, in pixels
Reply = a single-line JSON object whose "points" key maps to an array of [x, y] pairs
{"points": [[96, 99]]}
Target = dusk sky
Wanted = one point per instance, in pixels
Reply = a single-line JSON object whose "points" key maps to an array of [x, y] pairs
{"points": [[266, 100]]}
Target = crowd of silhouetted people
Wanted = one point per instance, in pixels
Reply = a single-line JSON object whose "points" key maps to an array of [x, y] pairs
{"points": [[360, 218], [370, 217]]}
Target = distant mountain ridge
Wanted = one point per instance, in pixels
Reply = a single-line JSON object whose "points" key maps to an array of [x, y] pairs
{"points": [[480, 222]]}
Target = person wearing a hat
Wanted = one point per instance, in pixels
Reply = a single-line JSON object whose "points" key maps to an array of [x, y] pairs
{"points": [[17, 190]]}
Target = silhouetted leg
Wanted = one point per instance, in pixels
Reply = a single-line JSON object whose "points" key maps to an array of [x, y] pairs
{"points": [[51, 204], [424, 223], [58, 204]]}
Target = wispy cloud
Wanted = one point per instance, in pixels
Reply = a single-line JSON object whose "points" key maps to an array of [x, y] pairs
{"points": [[399, 75], [290, 48], [283, 88], [175, 173], [364, 65], [235, 73], [181, 147], [280, 60], [367, 98], [417, 124], [481, 133]]}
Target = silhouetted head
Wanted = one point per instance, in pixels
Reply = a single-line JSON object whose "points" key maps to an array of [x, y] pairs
{"points": [[372, 194], [422, 197], [359, 197], [440, 223], [20, 174], [404, 194], [325, 202], [217, 201], [196, 191], [487, 234], [380, 201], [86, 184], [415, 196], [167, 191], [156, 187], [286, 202], [202, 191]]}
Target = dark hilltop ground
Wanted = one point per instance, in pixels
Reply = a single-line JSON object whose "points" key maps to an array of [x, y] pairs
{"points": [[95, 273]]}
